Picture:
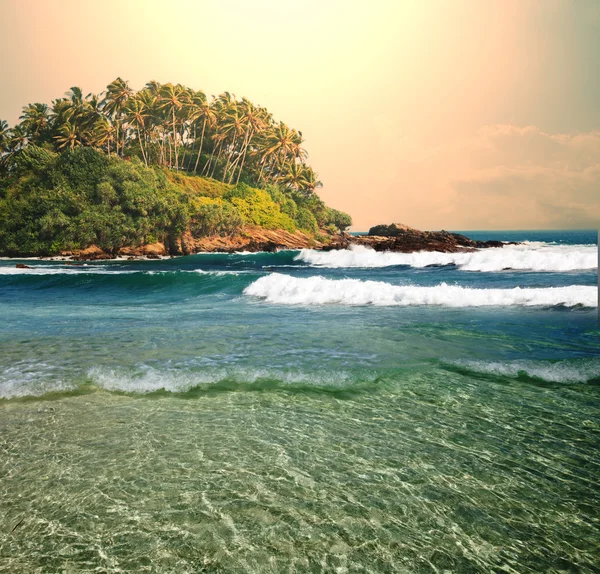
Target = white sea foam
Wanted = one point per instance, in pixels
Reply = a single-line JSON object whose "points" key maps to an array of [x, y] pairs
{"points": [[567, 371], [64, 270], [36, 379], [288, 290], [103, 270], [149, 380], [530, 256], [25, 378]]}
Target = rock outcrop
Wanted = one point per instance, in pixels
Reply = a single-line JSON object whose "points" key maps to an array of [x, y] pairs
{"points": [[251, 239], [394, 237], [405, 239]]}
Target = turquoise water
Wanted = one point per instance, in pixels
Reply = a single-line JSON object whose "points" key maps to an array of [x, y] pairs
{"points": [[304, 412]]}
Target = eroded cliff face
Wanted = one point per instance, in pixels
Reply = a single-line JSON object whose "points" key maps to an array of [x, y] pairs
{"points": [[251, 239], [395, 237]]}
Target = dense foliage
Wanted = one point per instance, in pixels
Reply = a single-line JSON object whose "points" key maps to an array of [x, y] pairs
{"points": [[174, 126], [52, 202], [125, 168]]}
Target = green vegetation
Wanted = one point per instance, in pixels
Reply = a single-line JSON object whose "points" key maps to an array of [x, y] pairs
{"points": [[174, 126], [52, 202], [126, 169]]}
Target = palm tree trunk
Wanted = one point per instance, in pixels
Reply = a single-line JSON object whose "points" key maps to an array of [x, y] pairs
{"points": [[229, 156], [236, 161], [207, 165], [200, 149], [142, 145], [243, 161], [217, 161], [175, 140]]}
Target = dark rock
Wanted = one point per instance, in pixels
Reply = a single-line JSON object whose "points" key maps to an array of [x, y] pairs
{"points": [[391, 230], [405, 239], [22, 266]]}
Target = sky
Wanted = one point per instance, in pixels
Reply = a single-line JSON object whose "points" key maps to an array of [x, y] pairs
{"points": [[440, 114]]}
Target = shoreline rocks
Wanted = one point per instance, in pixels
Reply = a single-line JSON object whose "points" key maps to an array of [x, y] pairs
{"points": [[395, 237], [402, 238]]}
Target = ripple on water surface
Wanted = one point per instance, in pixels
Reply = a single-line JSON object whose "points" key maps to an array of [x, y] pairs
{"points": [[435, 472]]}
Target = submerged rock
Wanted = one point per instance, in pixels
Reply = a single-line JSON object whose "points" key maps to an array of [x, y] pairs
{"points": [[22, 266]]}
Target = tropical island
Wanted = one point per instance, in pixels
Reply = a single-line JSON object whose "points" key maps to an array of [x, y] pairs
{"points": [[160, 171], [163, 172]]}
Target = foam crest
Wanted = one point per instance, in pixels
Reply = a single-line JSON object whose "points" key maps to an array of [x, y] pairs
{"points": [[24, 379], [288, 290], [530, 256], [149, 380], [65, 270], [567, 371], [105, 270]]}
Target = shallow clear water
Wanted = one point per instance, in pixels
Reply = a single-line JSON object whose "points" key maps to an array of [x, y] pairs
{"points": [[285, 413]]}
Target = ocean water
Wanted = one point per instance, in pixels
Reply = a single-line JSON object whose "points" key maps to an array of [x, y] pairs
{"points": [[301, 411]]}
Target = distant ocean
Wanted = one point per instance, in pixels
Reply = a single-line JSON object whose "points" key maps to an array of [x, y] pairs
{"points": [[303, 411]]}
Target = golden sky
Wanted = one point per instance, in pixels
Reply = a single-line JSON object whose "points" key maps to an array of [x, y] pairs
{"points": [[455, 114]]}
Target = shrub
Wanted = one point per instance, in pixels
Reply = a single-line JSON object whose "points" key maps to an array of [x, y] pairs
{"points": [[258, 208], [214, 217], [338, 219], [306, 220]]}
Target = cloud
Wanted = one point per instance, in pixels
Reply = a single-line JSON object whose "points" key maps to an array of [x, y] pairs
{"points": [[503, 177], [521, 177]]}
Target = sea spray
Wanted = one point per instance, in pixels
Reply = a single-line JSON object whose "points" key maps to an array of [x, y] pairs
{"points": [[566, 371], [287, 290], [525, 257]]}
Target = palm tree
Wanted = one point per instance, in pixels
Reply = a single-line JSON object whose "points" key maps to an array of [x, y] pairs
{"points": [[35, 120], [4, 136], [153, 87], [173, 98], [17, 138], [218, 139], [311, 180], [239, 138], [136, 113], [293, 176], [75, 95], [117, 94], [67, 136], [81, 114], [204, 112], [256, 121], [103, 134], [233, 126], [280, 144]]}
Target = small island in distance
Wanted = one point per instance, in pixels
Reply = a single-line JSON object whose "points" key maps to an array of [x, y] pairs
{"points": [[164, 171]]}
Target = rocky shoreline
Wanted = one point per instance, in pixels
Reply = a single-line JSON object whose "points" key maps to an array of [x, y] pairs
{"points": [[394, 237], [404, 239]]}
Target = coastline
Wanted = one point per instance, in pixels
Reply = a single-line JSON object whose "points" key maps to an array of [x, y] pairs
{"points": [[399, 238]]}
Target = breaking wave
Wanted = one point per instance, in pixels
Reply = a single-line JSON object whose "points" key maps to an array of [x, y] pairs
{"points": [[533, 256], [287, 290], [38, 379], [32, 379], [567, 371], [150, 380]]}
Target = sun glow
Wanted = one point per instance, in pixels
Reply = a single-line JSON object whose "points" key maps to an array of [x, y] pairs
{"points": [[385, 93]]}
